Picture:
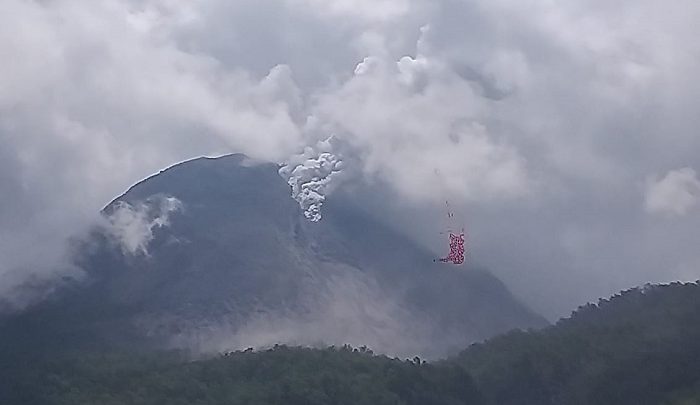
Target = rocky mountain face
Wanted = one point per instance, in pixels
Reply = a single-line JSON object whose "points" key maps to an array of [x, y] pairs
{"points": [[213, 254]]}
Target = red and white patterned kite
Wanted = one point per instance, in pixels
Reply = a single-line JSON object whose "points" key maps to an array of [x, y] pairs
{"points": [[456, 255]]}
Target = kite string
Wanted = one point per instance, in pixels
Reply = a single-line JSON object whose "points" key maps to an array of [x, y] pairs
{"points": [[457, 237]]}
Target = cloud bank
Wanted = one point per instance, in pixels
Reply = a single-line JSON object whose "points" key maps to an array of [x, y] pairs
{"points": [[541, 122]]}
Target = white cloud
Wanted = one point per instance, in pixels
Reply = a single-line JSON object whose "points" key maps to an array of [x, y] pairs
{"points": [[676, 193], [132, 226], [423, 129]]}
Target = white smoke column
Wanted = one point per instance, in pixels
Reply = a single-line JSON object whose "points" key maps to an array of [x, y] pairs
{"points": [[132, 227], [310, 175]]}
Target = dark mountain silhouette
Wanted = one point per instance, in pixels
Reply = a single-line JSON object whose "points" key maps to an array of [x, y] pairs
{"points": [[238, 266]]}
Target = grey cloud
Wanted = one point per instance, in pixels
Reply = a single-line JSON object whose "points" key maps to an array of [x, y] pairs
{"points": [[540, 121]]}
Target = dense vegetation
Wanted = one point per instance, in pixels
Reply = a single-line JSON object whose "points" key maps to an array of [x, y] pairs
{"points": [[282, 375], [639, 347]]}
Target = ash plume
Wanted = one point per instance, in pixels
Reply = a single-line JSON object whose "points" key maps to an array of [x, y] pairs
{"points": [[310, 176]]}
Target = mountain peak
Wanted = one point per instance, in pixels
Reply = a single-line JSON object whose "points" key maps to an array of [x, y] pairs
{"points": [[237, 265]]}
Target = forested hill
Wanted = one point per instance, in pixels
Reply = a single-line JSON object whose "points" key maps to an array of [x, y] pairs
{"points": [[639, 347], [280, 376]]}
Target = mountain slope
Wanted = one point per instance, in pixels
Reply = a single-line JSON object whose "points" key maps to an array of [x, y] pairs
{"points": [[237, 265]]}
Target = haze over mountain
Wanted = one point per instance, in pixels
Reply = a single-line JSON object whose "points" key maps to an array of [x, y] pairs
{"points": [[214, 254]]}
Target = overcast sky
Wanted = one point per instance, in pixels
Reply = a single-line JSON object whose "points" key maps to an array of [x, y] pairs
{"points": [[564, 133]]}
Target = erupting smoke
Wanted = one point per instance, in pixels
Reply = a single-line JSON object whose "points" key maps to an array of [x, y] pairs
{"points": [[310, 175]]}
